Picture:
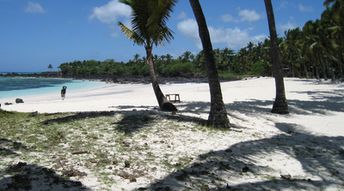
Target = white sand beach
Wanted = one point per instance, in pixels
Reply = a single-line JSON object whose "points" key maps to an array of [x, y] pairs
{"points": [[299, 151], [311, 101]]}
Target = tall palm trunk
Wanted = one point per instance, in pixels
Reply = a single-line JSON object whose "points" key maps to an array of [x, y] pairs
{"points": [[323, 68], [280, 105], [218, 114], [340, 65], [155, 83]]}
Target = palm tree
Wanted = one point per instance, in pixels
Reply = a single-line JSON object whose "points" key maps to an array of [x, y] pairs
{"points": [[218, 114], [332, 18], [136, 58], [148, 29], [50, 67], [280, 105]]}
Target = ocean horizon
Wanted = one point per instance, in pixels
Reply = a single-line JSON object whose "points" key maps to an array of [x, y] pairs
{"points": [[24, 86]]}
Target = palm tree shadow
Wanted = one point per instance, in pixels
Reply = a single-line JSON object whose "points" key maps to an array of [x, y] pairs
{"points": [[134, 121], [77, 116], [8, 147], [131, 120], [319, 156], [321, 102], [24, 176]]}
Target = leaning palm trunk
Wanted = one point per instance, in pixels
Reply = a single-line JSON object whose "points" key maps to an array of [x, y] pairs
{"points": [[155, 83], [218, 114], [280, 105], [149, 28]]}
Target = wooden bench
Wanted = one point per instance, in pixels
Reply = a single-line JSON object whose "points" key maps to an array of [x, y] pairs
{"points": [[176, 97]]}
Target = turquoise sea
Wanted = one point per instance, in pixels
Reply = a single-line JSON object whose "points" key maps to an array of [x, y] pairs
{"points": [[18, 86]]}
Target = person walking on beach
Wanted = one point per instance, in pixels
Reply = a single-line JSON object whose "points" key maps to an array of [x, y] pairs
{"points": [[63, 92]]}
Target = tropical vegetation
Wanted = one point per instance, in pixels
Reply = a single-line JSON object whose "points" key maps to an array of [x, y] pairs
{"points": [[312, 51]]}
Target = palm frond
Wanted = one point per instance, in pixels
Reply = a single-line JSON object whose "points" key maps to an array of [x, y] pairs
{"points": [[148, 21], [165, 34], [132, 35]]}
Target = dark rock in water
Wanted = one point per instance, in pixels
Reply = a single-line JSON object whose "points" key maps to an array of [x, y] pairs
{"points": [[6, 103], [168, 106], [19, 100]]}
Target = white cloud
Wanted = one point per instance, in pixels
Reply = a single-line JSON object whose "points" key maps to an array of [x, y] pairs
{"points": [[287, 26], [110, 12], [234, 38], [33, 7], [304, 8], [249, 15], [182, 15], [188, 27], [227, 18]]}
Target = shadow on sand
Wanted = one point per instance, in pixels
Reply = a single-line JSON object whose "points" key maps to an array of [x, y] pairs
{"points": [[131, 120], [321, 102], [8, 147], [24, 176], [320, 156]]}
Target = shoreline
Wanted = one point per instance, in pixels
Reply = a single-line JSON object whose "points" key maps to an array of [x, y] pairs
{"points": [[126, 79], [141, 94]]}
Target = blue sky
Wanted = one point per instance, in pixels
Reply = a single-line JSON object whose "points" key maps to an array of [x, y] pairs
{"points": [[34, 34]]}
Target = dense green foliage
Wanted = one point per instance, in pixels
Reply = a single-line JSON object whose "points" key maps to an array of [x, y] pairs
{"points": [[314, 51], [187, 65]]}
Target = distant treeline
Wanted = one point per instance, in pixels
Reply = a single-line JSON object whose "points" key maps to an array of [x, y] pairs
{"points": [[187, 65], [313, 51], [51, 74]]}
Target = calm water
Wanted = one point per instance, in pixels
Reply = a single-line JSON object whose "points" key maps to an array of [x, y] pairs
{"points": [[15, 87]]}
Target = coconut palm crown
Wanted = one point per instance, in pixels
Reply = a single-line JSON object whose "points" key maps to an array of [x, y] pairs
{"points": [[148, 20]]}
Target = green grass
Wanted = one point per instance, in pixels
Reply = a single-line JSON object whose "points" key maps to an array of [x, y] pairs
{"points": [[102, 142], [229, 76]]}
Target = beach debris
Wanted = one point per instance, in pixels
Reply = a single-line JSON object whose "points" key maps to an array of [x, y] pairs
{"points": [[33, 114], [286, 176], [126, 144], [245, 169], [19, 100], [73, 172], [80, 152], [128, 176], [126, 164]]}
